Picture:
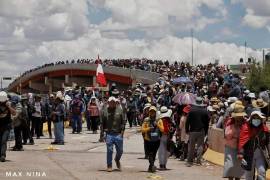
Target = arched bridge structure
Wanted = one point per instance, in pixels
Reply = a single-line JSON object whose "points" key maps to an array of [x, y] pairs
{"points": [[52, 78]]}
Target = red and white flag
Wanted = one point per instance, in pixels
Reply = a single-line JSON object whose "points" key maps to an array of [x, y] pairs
{"points": [[101, 80]]}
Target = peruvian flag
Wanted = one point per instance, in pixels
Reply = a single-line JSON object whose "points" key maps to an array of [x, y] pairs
{"points": [[101, 80]]}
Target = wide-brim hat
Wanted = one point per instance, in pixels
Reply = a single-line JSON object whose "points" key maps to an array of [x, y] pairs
{"points": [[199, 102], [153, 108], [147, 105], [239, 110], [259, 103], [259, 113], [165, 112]]}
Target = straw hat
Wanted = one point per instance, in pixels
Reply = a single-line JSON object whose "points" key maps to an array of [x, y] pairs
{"points": [[259, 103], [238, 110]]}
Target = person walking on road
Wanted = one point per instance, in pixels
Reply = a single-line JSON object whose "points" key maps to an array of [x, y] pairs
{"points": [[197, 125], [232, 166], [152, 129], [163, 154], [114, 126], [5, 123]]}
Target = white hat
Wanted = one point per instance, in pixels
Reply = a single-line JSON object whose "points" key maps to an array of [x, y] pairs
{"points": [[165, 112], [3, 96], [252, 95], [232, 99], [247, 91], [112, 99], [259, 113], [59, 95]]}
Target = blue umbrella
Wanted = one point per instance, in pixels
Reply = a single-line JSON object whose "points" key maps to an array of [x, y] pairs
{"points": [[181, 80]]}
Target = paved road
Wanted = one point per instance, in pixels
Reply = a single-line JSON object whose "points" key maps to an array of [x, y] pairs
{"points": [[82, 157]]}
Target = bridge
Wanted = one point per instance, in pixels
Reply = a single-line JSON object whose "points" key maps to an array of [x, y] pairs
{"points": [[52, 78]]}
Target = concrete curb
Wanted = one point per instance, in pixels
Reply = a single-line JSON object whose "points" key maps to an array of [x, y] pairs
{"points": [[218, 159]]}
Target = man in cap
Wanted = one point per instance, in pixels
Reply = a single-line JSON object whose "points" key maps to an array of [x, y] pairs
{"points": [[197, 125], [113, 124], [5, 123]]}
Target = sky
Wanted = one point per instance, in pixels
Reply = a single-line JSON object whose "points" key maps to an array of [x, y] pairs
{"points": [[34, 32]]}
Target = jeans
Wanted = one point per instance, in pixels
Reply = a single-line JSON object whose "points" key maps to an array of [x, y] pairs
{"points": [[3, 145], [195, 138], [162, 152], [58, 131], [259, 164], [116, 140], [76, 123]]}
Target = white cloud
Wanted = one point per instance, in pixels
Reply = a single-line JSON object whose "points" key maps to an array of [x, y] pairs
{"points": [[151, 14], [35, 32], [169, 47], [257, 13]]}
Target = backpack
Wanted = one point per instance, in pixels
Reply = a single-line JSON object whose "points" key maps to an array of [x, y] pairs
{"points": [[76, 107]]}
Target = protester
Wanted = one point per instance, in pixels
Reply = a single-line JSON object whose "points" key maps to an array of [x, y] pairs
{"points": [[58, 113], [36, 117], [6, 111], [76, 110], [145, 115], [114, 125], [163, 154], [197, 125], [19, 121], [184, 135], [93, 110], [152, 128], [232, 166], [253, 148]]}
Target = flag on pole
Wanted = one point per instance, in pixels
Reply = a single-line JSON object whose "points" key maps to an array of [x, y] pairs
{"points": [[100, 75]]}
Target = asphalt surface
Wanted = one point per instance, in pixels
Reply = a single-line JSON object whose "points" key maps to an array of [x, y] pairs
{"points": [[83, 157]]}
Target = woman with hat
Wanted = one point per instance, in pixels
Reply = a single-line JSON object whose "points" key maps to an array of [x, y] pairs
{"points": [[184, 135], [93, 111], [152, 128], [253, 148], [165, 117], [262, 106], [145, 115], [232, 165]]}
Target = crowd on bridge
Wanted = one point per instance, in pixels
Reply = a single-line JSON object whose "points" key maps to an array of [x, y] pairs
{"points": [[174, 116]]}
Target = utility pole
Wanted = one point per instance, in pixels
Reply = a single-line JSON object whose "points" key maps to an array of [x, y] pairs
{"points": [[192, 46], [245, 52], [263, 57]]}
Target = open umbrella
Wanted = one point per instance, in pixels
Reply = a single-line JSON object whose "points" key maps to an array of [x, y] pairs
{"points": [[184, 98], [181, 80]]}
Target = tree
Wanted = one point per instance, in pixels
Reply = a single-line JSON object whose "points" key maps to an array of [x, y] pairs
{"points": [[258, 77]]}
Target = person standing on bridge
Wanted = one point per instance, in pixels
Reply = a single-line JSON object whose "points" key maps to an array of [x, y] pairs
{"points": [[113, 124]]}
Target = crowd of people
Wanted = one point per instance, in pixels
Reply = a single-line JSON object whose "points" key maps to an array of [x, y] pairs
{"points": [[174, 116]]}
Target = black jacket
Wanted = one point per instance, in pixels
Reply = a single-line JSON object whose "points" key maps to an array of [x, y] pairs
{"points": [[197, 120]]}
